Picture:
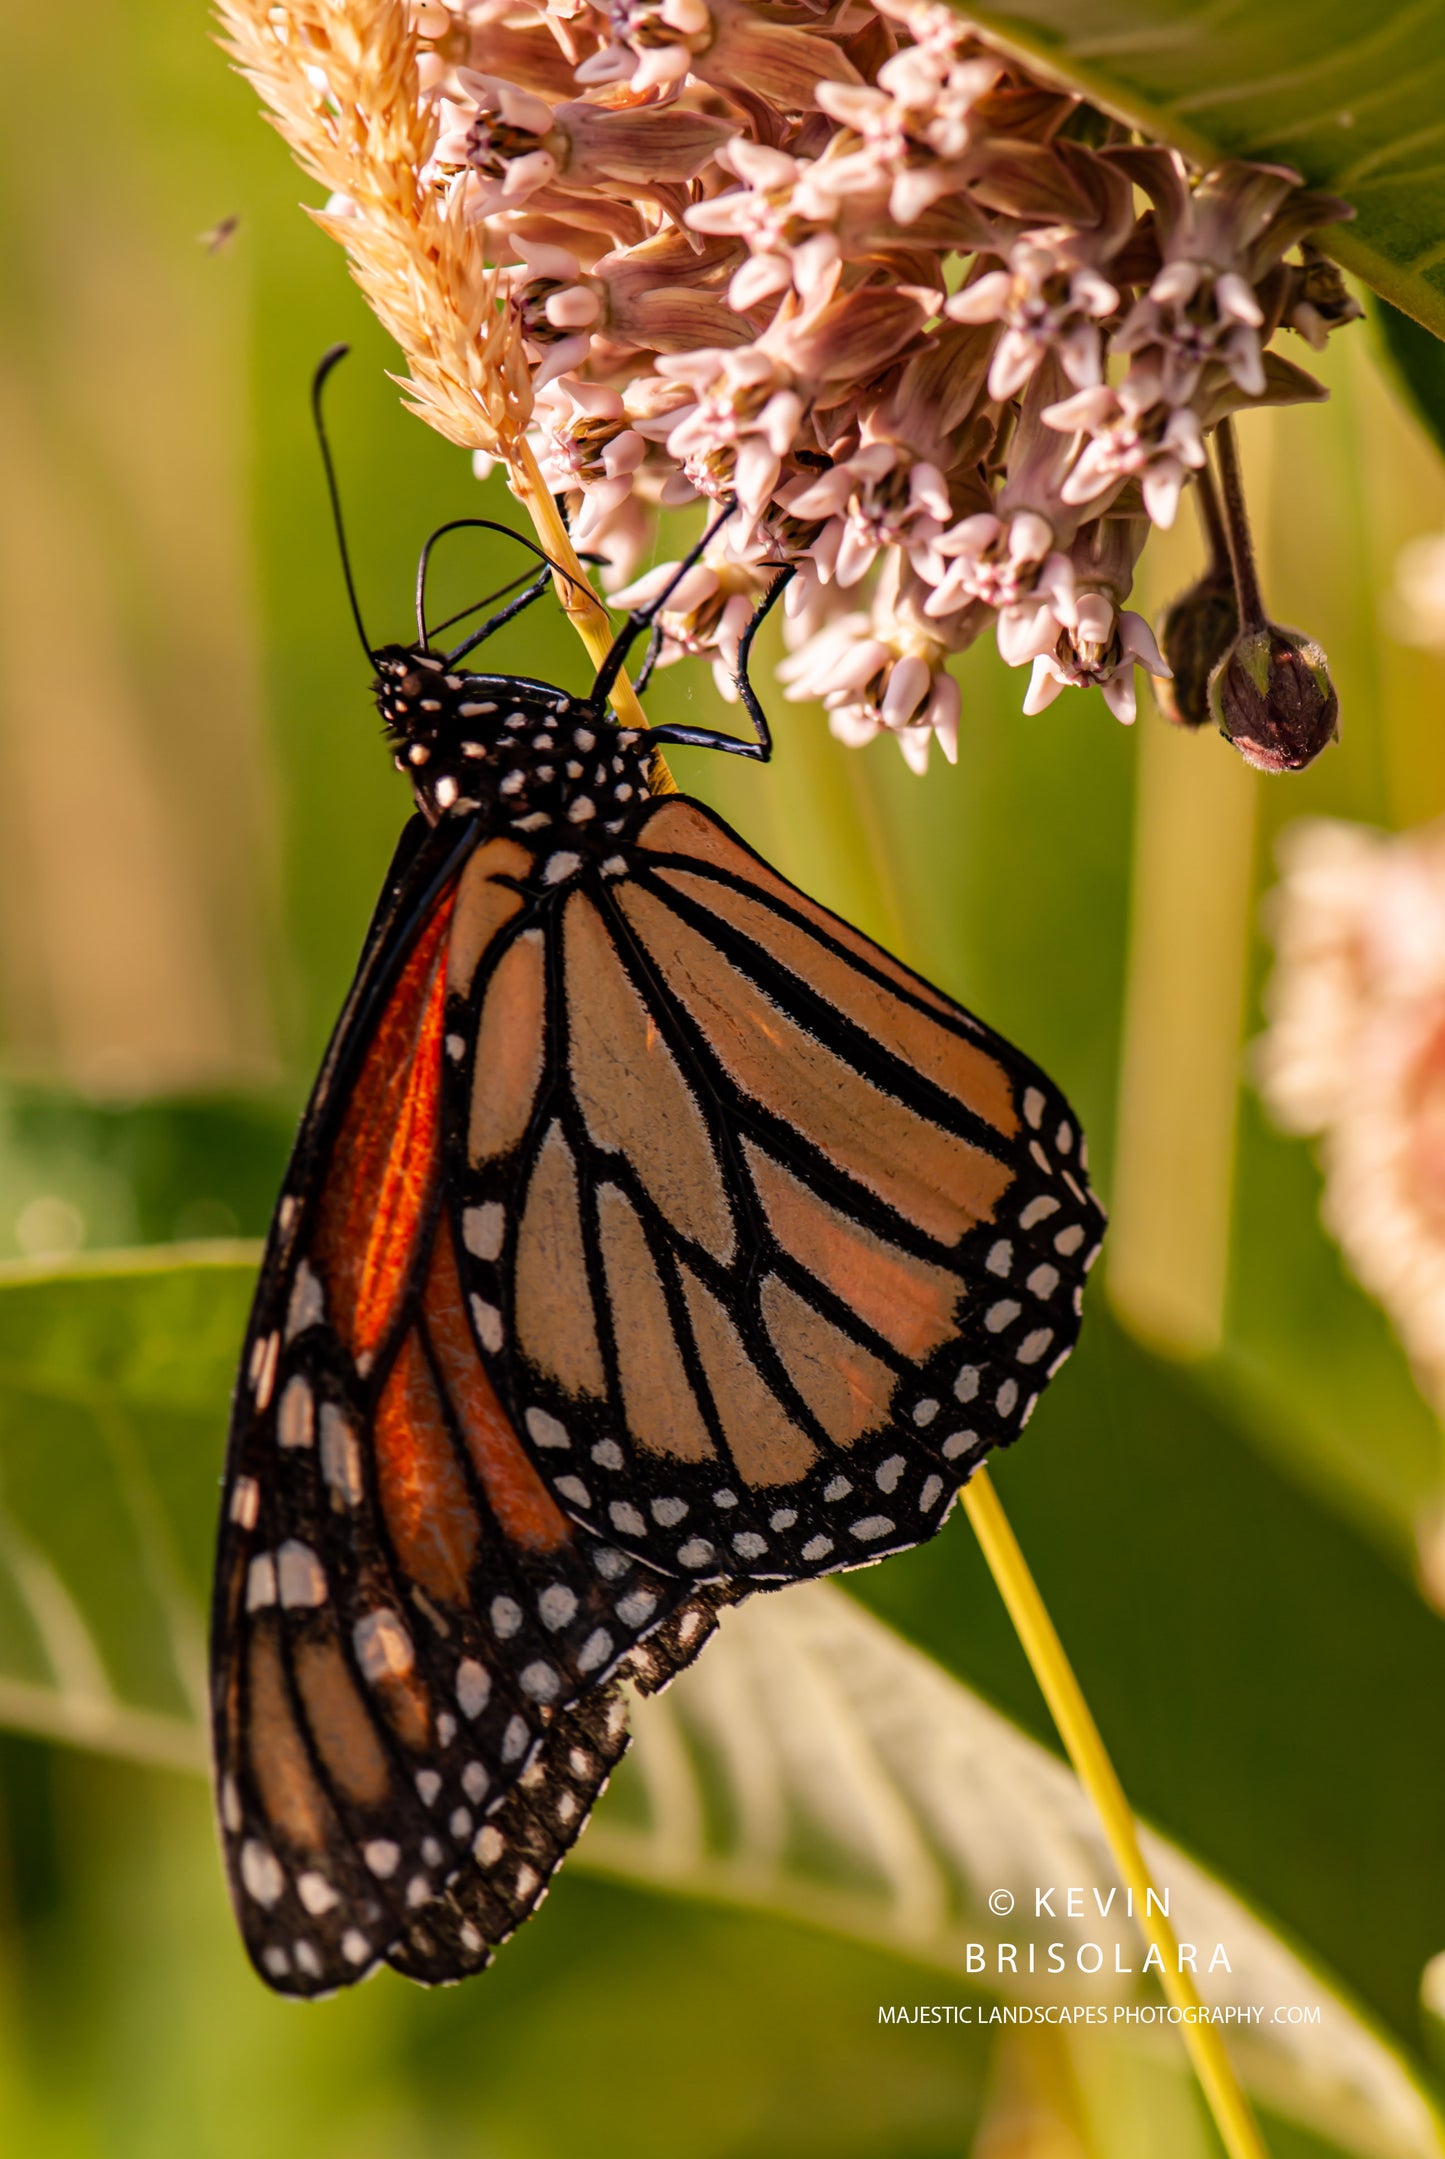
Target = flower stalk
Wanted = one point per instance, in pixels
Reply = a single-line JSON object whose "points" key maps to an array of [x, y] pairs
{"points": [[1233, 2116]]}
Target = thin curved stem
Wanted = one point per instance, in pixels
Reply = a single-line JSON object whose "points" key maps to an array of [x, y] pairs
{"points": [[589, 618], [1236, 523], [1233, 2117]]}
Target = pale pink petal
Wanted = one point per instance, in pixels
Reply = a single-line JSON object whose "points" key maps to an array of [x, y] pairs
{"points": [[1136, 642], [1119, 696], [908, 685], [1044, 686], [758, 279]]}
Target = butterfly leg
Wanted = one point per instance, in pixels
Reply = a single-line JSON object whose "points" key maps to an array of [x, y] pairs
{"points": [[503, 615], [711, 738], [642, 618]]}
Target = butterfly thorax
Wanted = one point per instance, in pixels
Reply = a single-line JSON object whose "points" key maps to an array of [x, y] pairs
{"points": [[521, 754]]}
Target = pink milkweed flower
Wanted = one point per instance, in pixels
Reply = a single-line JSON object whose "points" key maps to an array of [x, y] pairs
{"points": [[705, 617], [517, 144], [881, 496], [787, 246], [884, 669], [1045, 307], [1157, 446], [656, 44], [1355, 1054], [1220, 240], [1098, 649]]}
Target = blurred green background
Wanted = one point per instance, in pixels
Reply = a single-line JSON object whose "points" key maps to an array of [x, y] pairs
{"points": [[1220, 1496]]}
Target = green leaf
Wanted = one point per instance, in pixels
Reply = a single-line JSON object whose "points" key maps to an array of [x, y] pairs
{"points": [[1353, 99], [113, 1383], [1419, 364], [813, 1766]]}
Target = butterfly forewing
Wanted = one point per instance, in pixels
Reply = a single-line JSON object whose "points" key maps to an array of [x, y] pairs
{"points": [[766, 1240]]}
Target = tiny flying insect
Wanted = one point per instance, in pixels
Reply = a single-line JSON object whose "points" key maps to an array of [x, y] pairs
{"points": [[651, 1237]]}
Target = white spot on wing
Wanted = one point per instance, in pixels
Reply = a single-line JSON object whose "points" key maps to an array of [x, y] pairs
{"points": [[483, 1229], [263, 1363], [474, 1687], [245, 1502], [316, 1893], [557, 1604], [307, 1305], [595, 1650], [488, 1321], [296, 1417], [340, 1455], [383, 1647], [261, 1872], [260, 1582], [300, 1574], [545, 1429]]}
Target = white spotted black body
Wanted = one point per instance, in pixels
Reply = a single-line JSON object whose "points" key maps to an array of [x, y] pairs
{"points": [[518, 755]]}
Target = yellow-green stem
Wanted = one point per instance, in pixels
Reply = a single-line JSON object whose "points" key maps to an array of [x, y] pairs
{"points": [[1233, 2117], [589, 618]]}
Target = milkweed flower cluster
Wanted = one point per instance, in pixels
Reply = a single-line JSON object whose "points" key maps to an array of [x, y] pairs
{"points": [[1355, 1054], [952, 340]]}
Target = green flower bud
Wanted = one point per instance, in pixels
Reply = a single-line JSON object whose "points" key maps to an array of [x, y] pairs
{"points": [[1272, 696], [1198, 629]]}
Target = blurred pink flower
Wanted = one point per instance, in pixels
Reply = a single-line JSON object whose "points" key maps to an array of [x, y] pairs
{"points": [[1355, 1056]]}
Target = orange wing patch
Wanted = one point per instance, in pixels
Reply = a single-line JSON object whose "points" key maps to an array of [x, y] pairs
{"points": [[911, 1304], [375, 1200], [963, 1069], [934, 1179], [340, 1724], [510, 1045], [524, 1508], [762, 1438], [632, 1095], [556, 1325], [681, 828], [847, 1388], [483, 907], [662, 1413], [292, 1799], [424, 1494]]}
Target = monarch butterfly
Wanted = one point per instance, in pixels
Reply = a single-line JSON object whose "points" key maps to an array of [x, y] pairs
{"points": [[651, 1237]]}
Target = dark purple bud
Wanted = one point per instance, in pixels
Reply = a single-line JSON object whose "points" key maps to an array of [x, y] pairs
{"points": [[1272, 696], [1198, 629]]}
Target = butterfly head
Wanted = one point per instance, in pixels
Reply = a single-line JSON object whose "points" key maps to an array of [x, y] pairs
{"points": [[523, 754]]}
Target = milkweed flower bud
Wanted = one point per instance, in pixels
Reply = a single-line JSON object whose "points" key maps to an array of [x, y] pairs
{"points": [[1272, 696], [1198, 629]]}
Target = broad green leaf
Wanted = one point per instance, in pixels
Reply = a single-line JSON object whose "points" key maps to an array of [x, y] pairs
{"points": [[1352, 99], [1419, 365], [113, 1384], [812, 1765]]}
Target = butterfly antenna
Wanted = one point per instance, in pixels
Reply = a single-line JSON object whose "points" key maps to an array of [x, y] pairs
{"points": [[318, 384]]}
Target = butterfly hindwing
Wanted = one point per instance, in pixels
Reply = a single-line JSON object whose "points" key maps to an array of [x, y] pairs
{"points": [[768, 1241], [404, 1612]]}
